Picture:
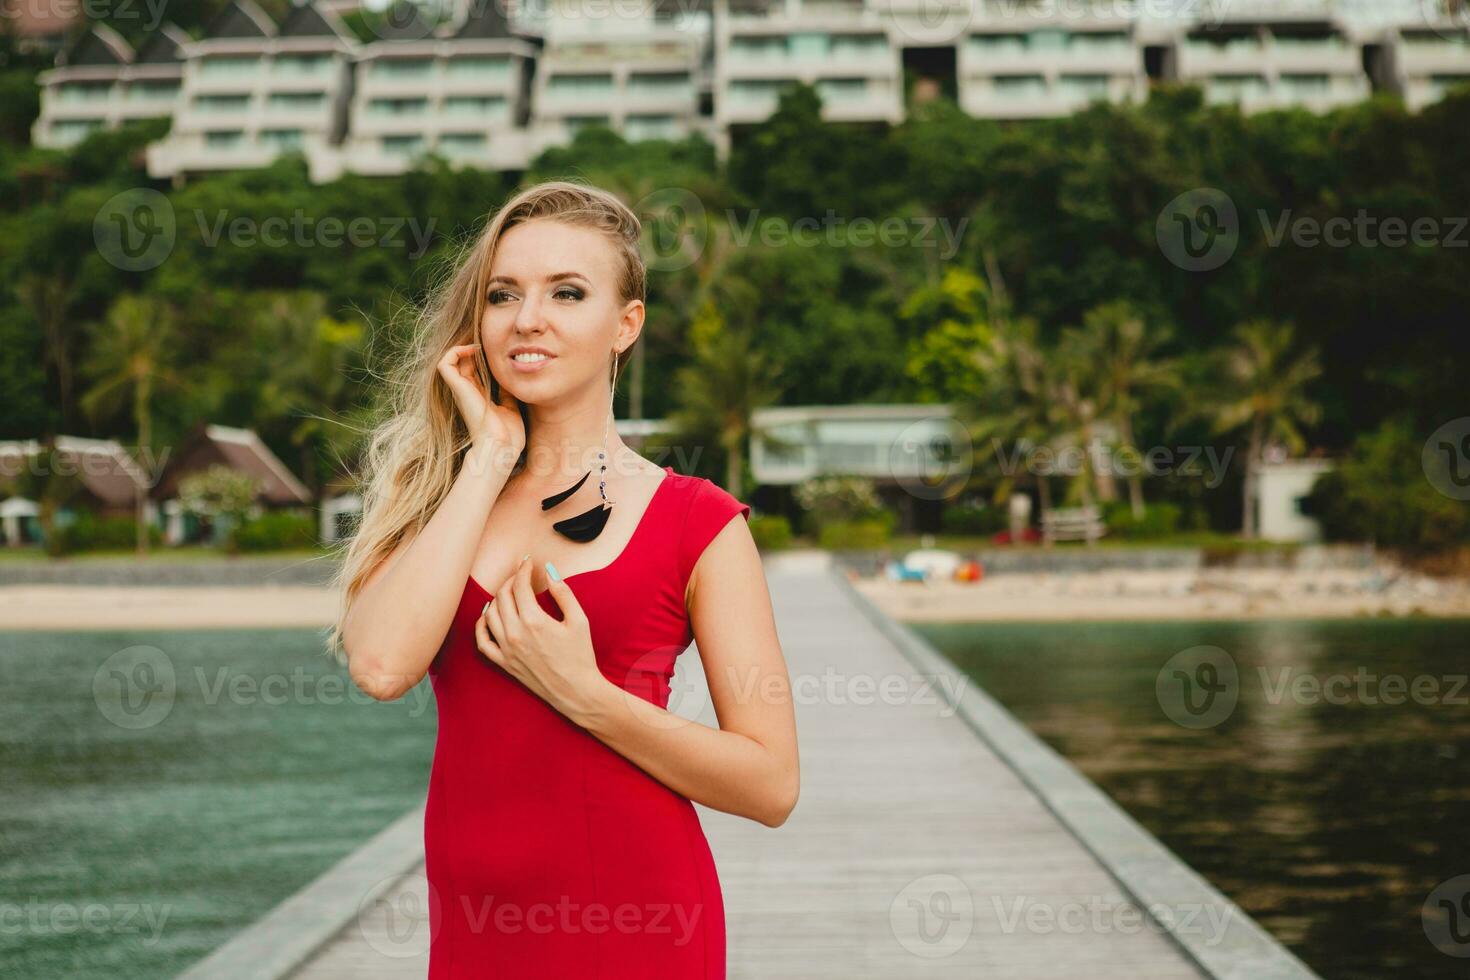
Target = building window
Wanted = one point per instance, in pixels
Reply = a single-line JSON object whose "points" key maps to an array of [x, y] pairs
{"points": [[998, 43], [223, 139], [403, 145], [228, 65], [297, 101], [670, 82], [651, 127], [222, 103], [479, 66], [475, 105], [858, 45], [580, 85], [153, 90], [1229, 88], [402, 67], [462, 143], [85, 91], [300, 64], [1020, 86], [398, 107], [1306, 84], [1100, 41], [757, 89], [69, 131], [281, 139], [575, 123], [759, 47], [1085, 86]]}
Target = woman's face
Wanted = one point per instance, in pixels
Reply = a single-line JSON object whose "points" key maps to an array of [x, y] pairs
{"points": [[553, 286]]}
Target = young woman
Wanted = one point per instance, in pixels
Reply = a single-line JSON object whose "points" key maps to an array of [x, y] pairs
{"points": [[546, 577]]}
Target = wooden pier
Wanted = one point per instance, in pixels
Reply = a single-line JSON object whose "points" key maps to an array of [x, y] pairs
{"points": [[935, 838]]}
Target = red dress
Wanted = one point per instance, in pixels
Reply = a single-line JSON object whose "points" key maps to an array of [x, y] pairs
{"points": [[548, 854]]}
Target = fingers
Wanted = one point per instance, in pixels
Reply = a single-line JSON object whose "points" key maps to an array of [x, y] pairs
{"points": [[507, 601], [485, 643], [571, 609], [526, 605]]}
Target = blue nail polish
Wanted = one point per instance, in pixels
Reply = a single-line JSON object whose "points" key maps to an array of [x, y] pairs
{"points": [[551, 570]]}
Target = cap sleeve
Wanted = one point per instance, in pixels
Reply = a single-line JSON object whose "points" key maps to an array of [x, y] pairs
{"points": [[711, 508]]}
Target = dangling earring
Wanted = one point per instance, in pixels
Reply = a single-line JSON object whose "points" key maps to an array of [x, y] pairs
{"points": [[588, 524]]}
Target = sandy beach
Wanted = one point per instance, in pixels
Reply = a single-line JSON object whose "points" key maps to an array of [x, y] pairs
{"points": [[1016, 596], [1171, 594]]}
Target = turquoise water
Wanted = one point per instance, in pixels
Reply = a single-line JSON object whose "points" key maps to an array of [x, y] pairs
{"points": [[165, 789], [1327, 811]]}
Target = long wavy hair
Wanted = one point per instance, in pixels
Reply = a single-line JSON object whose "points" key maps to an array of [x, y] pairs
{"points": [[417, 446]]}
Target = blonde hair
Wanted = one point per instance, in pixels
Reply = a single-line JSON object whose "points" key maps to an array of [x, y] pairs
{"points": [[414, 452]]}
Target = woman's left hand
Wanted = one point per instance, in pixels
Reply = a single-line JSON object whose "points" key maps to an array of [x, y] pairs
{"points": [[555, 659]]}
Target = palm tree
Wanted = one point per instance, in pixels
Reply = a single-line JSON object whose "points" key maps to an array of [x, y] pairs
{"points": [[1127, 366], [1265, 381], [718, 393], [131, 356]]}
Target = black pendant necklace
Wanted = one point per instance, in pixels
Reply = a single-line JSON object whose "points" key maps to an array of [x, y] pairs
{"points": [[589, 524]]}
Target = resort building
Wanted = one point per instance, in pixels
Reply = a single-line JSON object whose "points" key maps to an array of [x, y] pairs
{"points": [[459, 89], [100, 82], [489, 89], [252, 89]]}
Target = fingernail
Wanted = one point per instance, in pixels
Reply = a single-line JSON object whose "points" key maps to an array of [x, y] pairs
{"points": [[485, 609], [551, 570], [525, 556]]}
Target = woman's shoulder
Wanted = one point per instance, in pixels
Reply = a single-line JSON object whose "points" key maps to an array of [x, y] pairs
{"points": [[705, 508]]}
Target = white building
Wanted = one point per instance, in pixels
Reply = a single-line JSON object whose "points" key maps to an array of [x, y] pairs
{"points": [[492, 90], [253, 89], [619, 65], [1424, 61], [1281, 487], [100, 82], [459, 89], [1306, 58]]}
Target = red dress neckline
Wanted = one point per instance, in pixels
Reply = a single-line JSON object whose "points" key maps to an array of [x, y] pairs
{"points": [[637, 529]]}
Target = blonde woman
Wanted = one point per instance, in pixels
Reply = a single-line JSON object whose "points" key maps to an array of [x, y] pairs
{"points": [[546, 577]]}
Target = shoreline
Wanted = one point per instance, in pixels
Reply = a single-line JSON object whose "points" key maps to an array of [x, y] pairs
{"points": [[1135, 595]]}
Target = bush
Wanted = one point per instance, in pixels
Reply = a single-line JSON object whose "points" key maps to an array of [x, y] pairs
{"points": [[857, 535], [1380, 493], [973, 519], [838, 499], [1159, 520], [770, 531], [88, 532], [275, 532]]}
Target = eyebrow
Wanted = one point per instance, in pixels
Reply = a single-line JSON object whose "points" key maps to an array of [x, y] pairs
{"points": [[556, 278]]}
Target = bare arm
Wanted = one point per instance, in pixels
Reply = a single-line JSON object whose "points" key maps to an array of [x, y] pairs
{"points": [[400, 616], [749, 765], [398, 619]]}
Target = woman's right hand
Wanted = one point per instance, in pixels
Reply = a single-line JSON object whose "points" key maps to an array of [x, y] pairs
{"points": [[493, 425]]}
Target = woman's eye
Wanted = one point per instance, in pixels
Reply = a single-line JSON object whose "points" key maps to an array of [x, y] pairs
{"points": [[497, 295], [568, 292]]}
